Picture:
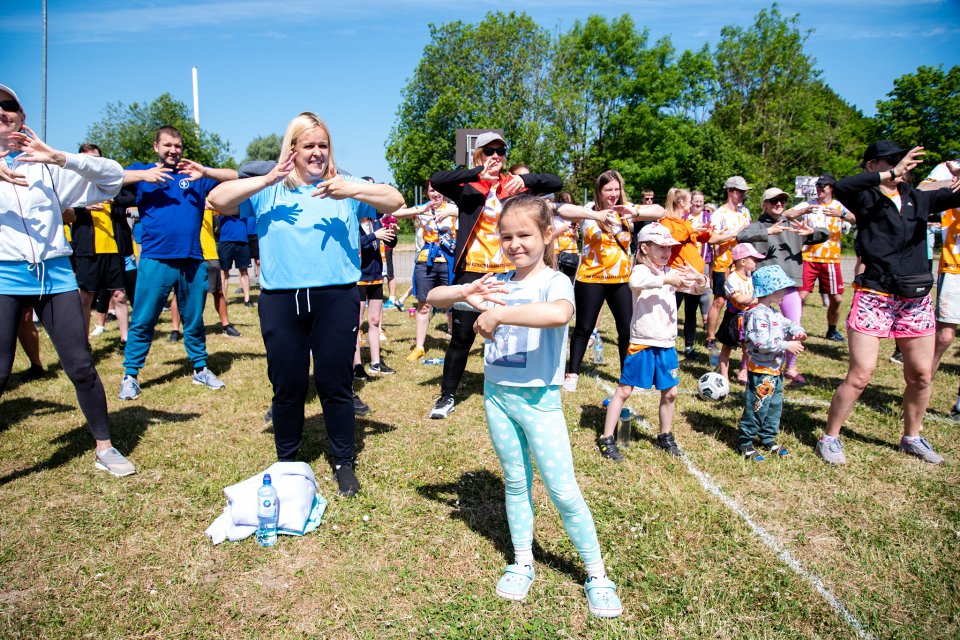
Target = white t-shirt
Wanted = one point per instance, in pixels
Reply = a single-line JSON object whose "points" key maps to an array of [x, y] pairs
{"points": [[522, 356]]}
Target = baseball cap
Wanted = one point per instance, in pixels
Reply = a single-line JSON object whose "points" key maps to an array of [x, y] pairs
{"points": [[487, 137], [769, 279], [657, 234], [736, 182], [826, 179], [746, 250], [881, 149], [13, 94], [773, 193]]}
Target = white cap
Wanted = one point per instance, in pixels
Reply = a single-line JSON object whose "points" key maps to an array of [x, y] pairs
{"points": [[490, 136], [657, 234], [13, 93]]}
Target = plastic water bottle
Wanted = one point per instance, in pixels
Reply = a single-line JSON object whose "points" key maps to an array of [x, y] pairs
{"points": [[625, 428], [714, 352], [597, 348], [267, 513], [433, 361]]}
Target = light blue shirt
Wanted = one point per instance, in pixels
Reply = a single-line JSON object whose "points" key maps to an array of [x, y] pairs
{"points": [[306, 241], [523, 356]]}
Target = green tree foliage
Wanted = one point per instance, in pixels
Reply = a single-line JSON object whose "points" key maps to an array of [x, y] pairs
{"points": [[471, 76], [924, 109], [600, 96], [126, 133], [264, 148]]}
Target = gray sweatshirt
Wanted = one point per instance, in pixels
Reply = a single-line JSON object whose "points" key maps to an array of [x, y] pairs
{"points": [[784, 249]]}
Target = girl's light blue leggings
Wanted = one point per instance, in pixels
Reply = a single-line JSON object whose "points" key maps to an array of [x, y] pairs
{"points": [[529, 420]]}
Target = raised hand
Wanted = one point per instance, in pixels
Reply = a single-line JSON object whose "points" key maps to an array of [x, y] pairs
{"points": [[909, 161], [511, 186], [280, 170], [9, 175], [34, 149], [386, 234], [486, 289], [156, 175], [954, 169], [336, 188], [194, 170]]}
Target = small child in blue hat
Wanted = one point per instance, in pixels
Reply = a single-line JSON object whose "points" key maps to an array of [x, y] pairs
{"points": [[768, 336]]}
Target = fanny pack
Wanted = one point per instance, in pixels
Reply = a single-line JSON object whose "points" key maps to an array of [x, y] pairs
{"points": [[914, 285], [568, 260]]}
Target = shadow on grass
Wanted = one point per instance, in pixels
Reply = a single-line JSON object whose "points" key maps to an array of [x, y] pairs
{"points": [[218, 362], [477, 500], [127, 428], [470, 384], [18, 409], [316, 443]]}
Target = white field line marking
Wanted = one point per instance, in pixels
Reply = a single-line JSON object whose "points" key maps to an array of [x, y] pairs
{"points": [[767, 538]]}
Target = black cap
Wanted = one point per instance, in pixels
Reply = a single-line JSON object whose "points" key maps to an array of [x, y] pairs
{"points": [[826, 179], [882, 149]]}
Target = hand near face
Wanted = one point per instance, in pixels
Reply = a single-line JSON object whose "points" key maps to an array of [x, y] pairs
{"points": [[336, 188], [9, 175], [511, 186], [909, 161], [194, 170], [281, 170], [34, 149], [484, 290]]}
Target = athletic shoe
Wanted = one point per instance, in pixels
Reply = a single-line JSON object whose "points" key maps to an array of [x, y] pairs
{"points": [[416, 354], [123, 346], [268, 416], [689, 353], [602, 597], [97, 331], [666, 442], [609, 449], [570, 382], [359, 373], [795, 377], [712, 344], [776, 449], [921, 448], [835, 336], [129, 388], [398, 306], [206, 378], [443, 407], [113, 461], [347, 483], [238, 291], [230, 330], [896, 358], [381, 369], [831, 450], [248, 303], [751, 454], [35, 372], [389, 304], [360, 408], [174, 336], [515, 582]]}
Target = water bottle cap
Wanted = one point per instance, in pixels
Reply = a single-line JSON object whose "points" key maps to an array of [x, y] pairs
{"points": [[624, 413], [266, 479]]}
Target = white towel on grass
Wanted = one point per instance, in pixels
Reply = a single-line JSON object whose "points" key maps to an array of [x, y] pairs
{"points": [[300, 506]]}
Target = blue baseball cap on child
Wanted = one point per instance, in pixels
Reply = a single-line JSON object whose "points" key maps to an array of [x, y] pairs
{"points": [[770, 279]]}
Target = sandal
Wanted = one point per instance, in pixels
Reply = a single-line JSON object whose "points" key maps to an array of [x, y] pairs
{"points": [[795, 377], [515, 582], [602, 597]]}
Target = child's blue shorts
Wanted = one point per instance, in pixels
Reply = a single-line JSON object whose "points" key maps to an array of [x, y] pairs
{"points": [[657, 367]]}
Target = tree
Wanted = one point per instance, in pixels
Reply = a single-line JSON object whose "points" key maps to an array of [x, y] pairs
{"points": [[472, 76], [264, 148], [126, 133], [924, 109]]}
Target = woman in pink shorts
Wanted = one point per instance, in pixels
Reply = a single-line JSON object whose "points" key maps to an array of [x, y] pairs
{"points": [[892, 297]]}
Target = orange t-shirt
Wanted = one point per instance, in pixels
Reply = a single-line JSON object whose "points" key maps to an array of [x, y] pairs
{"points": [[725, 220], [827, 251], [604, 261], [484, 254], [688, 251]]}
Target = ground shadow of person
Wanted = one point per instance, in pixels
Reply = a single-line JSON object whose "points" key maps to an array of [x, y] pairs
{"points": [[316, 445], [17, 409], [477, 499], [127, 427]]}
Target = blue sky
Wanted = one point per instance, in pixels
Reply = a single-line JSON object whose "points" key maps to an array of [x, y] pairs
{"points": [[261, 63]]}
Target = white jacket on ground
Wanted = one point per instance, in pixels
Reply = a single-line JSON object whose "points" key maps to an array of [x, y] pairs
{"points": [[31, 225]]}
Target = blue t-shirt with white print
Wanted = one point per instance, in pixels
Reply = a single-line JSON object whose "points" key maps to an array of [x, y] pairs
{"points": [[307, 241]]}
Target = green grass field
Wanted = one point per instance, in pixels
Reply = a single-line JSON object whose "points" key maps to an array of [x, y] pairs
{"points": [[417, 554]]}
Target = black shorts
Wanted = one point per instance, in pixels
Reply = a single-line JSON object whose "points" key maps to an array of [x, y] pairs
{"points": [[426, 278], [233, 253], [103, 271], [254, 243], [214, 285], [719, 280], [728, 332], [388, 252], [370, 291]]}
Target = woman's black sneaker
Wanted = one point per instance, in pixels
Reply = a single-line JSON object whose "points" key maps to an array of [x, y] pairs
{"points": [[359, 373], [347, 483]]}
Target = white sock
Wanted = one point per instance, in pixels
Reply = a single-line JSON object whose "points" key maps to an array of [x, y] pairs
{"points": [[595, 569], [523, 557]]}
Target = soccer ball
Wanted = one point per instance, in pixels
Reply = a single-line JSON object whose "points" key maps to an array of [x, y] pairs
{"points": [[712, 386]]}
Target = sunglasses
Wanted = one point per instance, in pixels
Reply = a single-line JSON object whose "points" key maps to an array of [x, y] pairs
{"points": [[500, 151], [10, 105]]}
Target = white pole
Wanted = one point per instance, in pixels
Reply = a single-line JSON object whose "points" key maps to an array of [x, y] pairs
{"points": [[196, 99]]}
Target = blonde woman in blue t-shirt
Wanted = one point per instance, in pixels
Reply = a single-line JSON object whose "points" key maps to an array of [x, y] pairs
{"points": [[524, 319]]}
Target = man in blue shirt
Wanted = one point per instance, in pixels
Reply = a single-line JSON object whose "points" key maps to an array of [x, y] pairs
{"points": [[171, 196]]}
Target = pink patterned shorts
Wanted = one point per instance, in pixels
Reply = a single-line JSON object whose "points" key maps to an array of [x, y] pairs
{"points": [[886, 316]]}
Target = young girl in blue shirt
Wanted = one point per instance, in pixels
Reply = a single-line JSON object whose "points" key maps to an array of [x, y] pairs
{"points": [[524, 320]]}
